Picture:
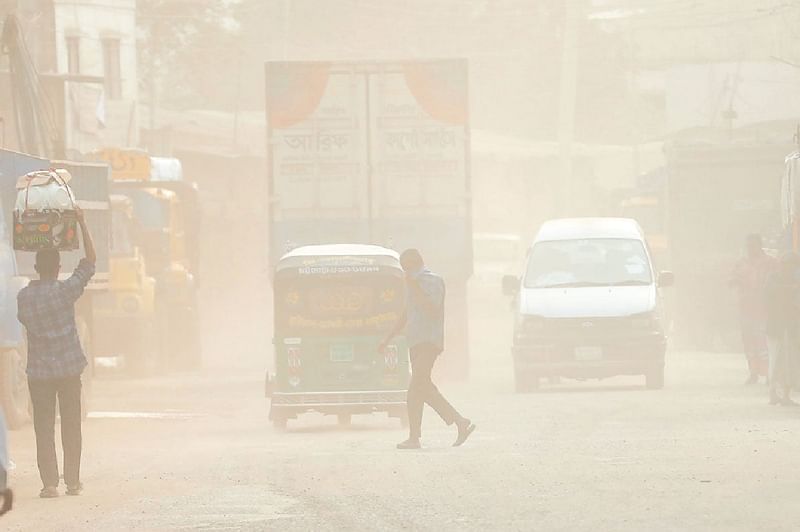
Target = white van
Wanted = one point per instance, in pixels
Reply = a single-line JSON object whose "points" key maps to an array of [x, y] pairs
{"points": [[588, 304]]}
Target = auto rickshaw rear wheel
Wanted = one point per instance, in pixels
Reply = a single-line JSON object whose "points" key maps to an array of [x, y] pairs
{"points": [[403, 419], [279, 422], [344, 419], [654, 379]]}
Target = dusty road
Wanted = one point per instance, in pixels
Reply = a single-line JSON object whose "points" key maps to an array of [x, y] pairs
{"points": [[196, 452]]}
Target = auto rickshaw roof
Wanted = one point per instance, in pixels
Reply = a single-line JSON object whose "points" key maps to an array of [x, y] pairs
{"points": [[355, 255]]}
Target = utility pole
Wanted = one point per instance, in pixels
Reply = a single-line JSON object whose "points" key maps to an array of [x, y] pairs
{"points": [[566, 103], [237, 101], [155, 50]]}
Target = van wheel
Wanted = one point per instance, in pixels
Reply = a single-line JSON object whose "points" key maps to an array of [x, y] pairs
{"points": [[525, 382], [655, 378], [344, 419]]}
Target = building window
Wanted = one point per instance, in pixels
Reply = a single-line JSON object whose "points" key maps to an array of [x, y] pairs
{"points": [[111, 69], [73, 55]]}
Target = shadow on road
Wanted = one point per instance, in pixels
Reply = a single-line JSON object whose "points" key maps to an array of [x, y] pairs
{"points": [[589, 388], [327, 429]]}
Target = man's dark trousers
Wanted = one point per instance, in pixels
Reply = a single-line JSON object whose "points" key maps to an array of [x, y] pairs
{"points": [[43, 398], [421, 390]]}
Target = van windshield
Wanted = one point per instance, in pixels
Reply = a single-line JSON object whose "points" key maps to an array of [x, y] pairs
{"points": [[592, 262]]}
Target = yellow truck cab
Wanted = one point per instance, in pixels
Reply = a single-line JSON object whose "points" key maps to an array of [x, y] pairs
{"points": [[163, 212], [125, 315]]}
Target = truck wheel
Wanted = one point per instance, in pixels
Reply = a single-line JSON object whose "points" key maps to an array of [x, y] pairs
{"points": [[344, 419], [279, 422], [181, 338], [525, 382], [141, 358], [192, 354], [654, 379], [14, 396]]}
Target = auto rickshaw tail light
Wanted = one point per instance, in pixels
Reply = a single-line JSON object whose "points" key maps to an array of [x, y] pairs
{"points": [[391, 358], [293, 360], [294, 365]]}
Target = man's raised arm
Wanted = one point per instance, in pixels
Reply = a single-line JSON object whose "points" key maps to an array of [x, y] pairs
{"points": [[86, 236]]}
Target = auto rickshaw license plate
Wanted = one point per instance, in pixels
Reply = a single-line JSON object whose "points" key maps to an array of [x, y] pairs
{"points": [[341, 353]]}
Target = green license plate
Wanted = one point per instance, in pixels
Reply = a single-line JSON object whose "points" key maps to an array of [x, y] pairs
{"points": [[342, 353]]}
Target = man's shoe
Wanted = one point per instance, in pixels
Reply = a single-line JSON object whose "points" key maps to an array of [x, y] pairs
{"points": [[49, 493], [411, 443], [753, 379], [788, 402], [465, 428], [774, 400], [75, 490]]}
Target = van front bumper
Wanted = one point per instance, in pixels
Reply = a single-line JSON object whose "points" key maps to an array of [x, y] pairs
{"points": [[590, 357]]}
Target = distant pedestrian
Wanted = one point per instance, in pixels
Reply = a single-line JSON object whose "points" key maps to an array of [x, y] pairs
{"points": [[46, 307], [424, 328], [783, 320], [749, 278]]}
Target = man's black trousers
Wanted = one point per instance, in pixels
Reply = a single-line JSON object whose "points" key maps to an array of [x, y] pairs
{"points": [[43, 398], [421, 390]]}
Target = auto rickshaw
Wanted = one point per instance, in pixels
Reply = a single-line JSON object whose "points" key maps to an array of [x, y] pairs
{"points": [[334, 304]]}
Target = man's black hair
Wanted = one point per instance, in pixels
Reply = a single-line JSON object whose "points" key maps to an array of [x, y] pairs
{"points": [[48, 261]]}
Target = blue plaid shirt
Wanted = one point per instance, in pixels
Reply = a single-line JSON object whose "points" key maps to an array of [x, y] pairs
{"points": [[47, 310]]}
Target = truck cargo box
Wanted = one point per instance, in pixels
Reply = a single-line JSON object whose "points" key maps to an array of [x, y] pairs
{"points": [[373, 153]]}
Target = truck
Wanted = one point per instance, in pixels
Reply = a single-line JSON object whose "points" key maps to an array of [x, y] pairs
{"points": [[372, 152], [160, 212], [125, 317], [719, 190], [90, 184]]}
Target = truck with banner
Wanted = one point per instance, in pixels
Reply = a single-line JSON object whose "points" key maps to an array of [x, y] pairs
{"points": [[375, 153]]}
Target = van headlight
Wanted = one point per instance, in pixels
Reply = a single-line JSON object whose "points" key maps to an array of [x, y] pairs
{"points": [[530, 324], [646, 321]]}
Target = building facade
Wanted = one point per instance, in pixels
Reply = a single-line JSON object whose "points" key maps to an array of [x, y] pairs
{"points": [[85, 54]]}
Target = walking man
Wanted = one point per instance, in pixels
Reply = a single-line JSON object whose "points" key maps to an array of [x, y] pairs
{"points": [[750, 278], [424, 327], [46, 307], [782, 295]]}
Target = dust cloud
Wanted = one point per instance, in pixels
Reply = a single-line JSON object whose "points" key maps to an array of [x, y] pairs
{"points": [[567, 226]]}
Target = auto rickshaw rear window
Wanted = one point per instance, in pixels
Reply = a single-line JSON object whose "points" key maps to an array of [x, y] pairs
{"points": [[339, 305]]}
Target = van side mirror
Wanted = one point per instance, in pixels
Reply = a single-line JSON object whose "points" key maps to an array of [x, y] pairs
{"points": [[666, 279], [510, 285]]}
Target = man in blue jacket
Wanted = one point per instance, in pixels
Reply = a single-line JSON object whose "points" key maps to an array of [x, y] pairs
{"points": [[424, 327]]}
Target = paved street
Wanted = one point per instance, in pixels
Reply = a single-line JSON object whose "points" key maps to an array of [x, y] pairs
{"points": [[196, 452]]}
